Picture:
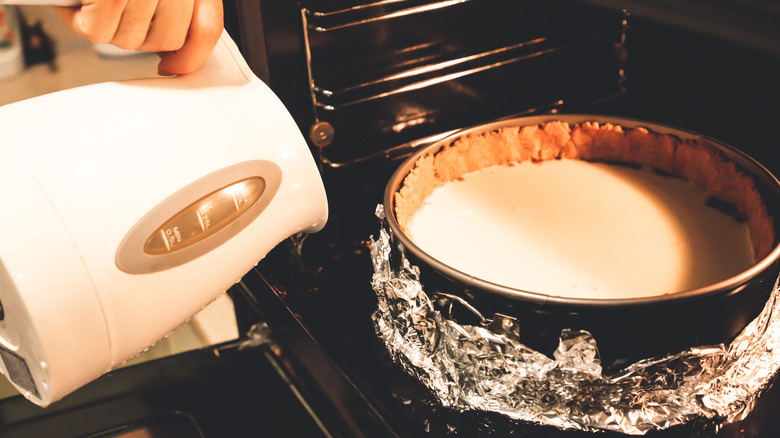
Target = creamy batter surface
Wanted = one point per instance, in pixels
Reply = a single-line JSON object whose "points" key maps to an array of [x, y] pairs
{"points": [[578, 229]]}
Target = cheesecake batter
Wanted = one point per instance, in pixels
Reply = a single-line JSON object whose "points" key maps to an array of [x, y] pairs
{"points": [[580, 229]]}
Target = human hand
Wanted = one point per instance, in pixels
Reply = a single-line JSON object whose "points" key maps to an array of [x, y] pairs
{"points": [[182, 32]]}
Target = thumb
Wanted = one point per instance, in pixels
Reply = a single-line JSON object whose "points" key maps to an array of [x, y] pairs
{"points": [[205, 30]]}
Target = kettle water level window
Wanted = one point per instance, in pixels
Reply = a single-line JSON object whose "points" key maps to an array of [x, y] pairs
{"points": [[204, 217]]}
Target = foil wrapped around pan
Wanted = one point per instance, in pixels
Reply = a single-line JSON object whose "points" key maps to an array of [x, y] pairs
{"points": [[484, 367]]}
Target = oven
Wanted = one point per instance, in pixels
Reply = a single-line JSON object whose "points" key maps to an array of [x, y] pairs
{"points": [[369, 83]]}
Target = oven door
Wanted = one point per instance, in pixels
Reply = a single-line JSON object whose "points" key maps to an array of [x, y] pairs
{"points": [[230, 389]]}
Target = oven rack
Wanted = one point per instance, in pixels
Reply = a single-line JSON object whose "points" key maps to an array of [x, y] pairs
{"points": [[386, 73]]}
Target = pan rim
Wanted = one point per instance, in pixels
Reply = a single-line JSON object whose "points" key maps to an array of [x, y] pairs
{"points": [[728, 286]]}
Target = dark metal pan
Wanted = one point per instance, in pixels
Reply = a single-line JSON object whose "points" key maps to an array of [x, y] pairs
{"points": [[626, 330]]}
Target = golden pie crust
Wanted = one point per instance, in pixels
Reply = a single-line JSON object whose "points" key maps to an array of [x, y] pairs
{"points": [[694, 160]]}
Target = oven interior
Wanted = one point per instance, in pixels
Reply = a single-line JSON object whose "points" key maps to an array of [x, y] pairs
{"points": [[368, 83]]}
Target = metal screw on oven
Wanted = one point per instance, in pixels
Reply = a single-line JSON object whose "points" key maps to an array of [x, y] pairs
{"points": [[321, 134]]}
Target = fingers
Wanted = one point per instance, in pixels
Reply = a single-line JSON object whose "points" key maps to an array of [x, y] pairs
{"points": [[168, 30], [95, 20], [204, 32], [134, 24], [184, 30]]}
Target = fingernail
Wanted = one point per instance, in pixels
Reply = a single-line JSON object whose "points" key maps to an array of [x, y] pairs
{"points": [[163, 72]]}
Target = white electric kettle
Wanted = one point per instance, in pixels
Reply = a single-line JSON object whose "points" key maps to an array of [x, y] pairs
{"points": [[127, 207]]}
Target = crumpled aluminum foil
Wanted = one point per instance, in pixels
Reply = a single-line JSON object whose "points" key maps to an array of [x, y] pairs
{"points": [[484, 368]]}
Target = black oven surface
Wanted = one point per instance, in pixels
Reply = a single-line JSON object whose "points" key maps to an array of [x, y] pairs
{"points": [[320, 307], [238, 393], [320, 304]]}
